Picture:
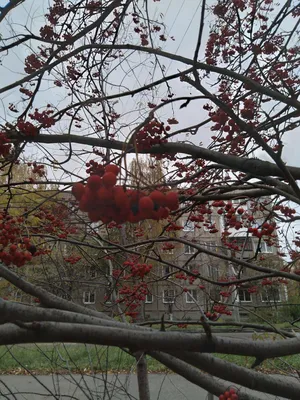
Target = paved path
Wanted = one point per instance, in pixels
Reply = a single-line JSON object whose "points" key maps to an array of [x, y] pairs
{"points": [[75, 387]]}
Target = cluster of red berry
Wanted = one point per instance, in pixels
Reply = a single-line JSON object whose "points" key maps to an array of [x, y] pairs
{"points": [[229, 394], [72, 259], [47, 32], [105, 201], [211, 316], [32, 64], [5, 145], [37, 169], [44, 117], [56, 10], [14, 250], [287, 211], [150, 135], [27, 128], [132, 297], [221, 309], [137, 269], [25, 91]]}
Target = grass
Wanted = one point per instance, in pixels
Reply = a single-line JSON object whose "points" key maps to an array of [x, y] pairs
{"points": [[45, 359]]}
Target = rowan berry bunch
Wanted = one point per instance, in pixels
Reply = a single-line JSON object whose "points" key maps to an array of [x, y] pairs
{"points": [[211, 316], [5, 145], [106, 201], [132, 297], [229, 394], [32, 64], [137, 269], [72, 259], [15, 250], [44, 117], [150, 135], [27, 128]]}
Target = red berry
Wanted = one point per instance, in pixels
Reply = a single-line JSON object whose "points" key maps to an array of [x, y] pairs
{"points": [[163, 213], [221, 397], [78, 190], [109, 179], [94, 182], [27, 256], [120, 197], [105, 195], [146, 204], [112, 168], [83, 204], [234, 396], [172, 201], [158, 197], [94, 215], [13, 248]]}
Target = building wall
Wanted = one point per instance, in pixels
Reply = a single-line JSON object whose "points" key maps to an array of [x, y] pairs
{"points": [[91, 281]]}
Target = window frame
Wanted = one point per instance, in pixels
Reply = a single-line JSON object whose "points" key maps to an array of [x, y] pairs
{"points": [[188, 298], [149, 301], [91, 273], [89, 295], [190, 248], [211, 246], [244, 291], [167, 251], [164, 297], [108, 293], [211, 222], [187, 228], [265, 290], [213, 271], [192, 267], [266, 251]]}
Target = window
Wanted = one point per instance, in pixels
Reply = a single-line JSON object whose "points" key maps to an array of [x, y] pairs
{"points": [[93, 227], [271, 294], [64, 248], [243, 243], [189, 249], [264, 248], [243, 203], [149, 298], [244, 295], [238, 217], [213, 272], [107, 296], [192, 268], [91, 272], [167, 251], [211, 246], [166, 270], [191, 296], [189, 226], [89, 297], [168, 296], [208, 222]]}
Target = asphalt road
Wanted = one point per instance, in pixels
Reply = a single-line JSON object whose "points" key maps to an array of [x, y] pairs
{"points": [[76, 387]]}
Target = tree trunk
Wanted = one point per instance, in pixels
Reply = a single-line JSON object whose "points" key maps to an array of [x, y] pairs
{"points": [[142, 376]]}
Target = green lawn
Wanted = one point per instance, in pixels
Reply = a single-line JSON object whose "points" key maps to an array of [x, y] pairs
{"points": [[88, 358]]}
